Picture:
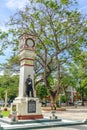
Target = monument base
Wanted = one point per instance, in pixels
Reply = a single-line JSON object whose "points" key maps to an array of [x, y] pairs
{"points": [[26, 117], [26, 108]]}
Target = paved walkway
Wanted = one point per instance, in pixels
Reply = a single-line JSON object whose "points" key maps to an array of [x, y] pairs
{"points": [[79, 113], [66, 128], [59, 128], [71, 113], [81, 127]]}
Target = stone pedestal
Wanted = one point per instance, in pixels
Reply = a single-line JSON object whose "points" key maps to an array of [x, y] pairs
{"points": [[26, 108]]}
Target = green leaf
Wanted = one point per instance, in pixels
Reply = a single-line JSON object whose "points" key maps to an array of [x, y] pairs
{"points": [[64, 1]]}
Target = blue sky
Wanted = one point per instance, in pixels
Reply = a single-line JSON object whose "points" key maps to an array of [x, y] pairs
{"points": [[8, 8]]}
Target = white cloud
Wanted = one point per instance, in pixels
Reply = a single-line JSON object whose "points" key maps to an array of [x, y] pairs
{"points": [[16, 4]]}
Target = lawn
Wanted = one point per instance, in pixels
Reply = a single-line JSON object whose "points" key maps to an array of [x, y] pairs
{"points": [[5, 113]]}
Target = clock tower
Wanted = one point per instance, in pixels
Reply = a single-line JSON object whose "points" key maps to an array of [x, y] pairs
{"points": [[26, 55], [27, 107]]}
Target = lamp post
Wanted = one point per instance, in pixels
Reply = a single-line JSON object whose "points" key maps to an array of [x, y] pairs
{"points": [[6, 93], [6, 97]]}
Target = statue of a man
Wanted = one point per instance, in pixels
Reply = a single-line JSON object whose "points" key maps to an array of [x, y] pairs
{"points": [[29, 88]]}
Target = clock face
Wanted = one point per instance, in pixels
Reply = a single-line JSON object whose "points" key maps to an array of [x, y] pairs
{"points": [[30, 42]]}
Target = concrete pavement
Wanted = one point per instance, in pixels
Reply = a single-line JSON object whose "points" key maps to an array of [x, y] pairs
{"points": [[71, 114], [68, 128]]}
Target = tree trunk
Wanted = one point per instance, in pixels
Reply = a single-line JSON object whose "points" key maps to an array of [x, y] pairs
{"points": [[53, 96], [82, 98], [58, 72]]}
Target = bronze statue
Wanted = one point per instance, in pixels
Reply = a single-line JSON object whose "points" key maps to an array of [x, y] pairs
{"points": [[29, 88]]}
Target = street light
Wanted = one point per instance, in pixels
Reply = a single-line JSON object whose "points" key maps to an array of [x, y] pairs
{"points": [[6, 94]]}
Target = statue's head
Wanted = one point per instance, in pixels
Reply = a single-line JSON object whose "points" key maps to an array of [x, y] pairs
{"points": [[29, 76]]}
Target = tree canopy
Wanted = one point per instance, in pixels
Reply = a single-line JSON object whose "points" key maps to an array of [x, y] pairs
{"points": [[61, 35], [10, 84]]}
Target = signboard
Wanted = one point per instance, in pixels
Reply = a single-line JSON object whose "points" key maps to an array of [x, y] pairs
{"points": [[31, 106]]}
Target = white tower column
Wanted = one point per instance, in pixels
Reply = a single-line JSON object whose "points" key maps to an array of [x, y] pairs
{"points": [[26, 68]]}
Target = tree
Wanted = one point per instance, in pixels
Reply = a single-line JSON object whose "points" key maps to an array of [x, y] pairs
{"points": [[77, 70], [59, 30], [9, 83], [41, 91], [82, 76], [3, 39]]}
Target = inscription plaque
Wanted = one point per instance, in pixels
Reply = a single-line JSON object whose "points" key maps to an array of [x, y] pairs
{"points": [[31, 106]]}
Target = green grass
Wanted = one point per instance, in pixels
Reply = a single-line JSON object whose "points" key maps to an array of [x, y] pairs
{"points": [[5, 113]]}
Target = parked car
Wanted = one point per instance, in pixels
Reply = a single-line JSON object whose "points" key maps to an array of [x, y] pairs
{"points": [[2, 103], [9, 102], [71, 103], [78, 103], [45, 103]]}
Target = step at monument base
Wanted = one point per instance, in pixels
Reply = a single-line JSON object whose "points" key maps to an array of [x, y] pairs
{"points": [[26, 117]]}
